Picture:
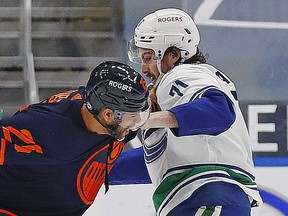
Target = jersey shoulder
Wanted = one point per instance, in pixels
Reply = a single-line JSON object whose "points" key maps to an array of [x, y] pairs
{"points": [[200, 75]]}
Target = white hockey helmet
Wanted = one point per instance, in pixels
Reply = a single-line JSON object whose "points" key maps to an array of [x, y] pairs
{"points": [[163, 29]]}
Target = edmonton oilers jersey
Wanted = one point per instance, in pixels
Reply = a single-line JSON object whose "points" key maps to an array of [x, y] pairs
{"points": [[50, 164]]}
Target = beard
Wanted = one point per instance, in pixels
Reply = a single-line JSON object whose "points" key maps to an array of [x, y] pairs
{"points": [[120, 133]]}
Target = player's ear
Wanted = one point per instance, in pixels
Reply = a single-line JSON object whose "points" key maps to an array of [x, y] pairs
{"points": [[107, 115]]}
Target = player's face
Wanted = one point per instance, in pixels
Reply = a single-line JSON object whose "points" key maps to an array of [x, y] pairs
{"points": [[130, 121], [121, 133], [149, 64], [125, 126]]}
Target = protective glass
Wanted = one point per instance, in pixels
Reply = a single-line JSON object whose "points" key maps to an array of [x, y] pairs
{"points": [[133, 120], [140, 55], [133, 53]]}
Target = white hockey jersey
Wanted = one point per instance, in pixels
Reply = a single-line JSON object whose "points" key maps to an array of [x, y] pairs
{"points": [[178, 164]]}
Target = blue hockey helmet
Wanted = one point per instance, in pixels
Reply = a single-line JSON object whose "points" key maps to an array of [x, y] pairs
{"points": [[116, 86]]}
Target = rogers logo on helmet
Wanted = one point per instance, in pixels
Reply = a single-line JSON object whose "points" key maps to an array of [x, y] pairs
{"points": [[120, 86], [170, 19]]}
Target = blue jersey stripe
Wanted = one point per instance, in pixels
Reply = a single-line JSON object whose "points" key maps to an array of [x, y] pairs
{"points": [[154, 152]]}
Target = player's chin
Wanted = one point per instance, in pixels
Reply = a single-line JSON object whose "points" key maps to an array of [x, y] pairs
{"points": [[122, 134], [152, 82]]}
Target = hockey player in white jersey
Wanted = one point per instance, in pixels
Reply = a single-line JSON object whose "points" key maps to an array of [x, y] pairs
{"points": [[197, 147]]}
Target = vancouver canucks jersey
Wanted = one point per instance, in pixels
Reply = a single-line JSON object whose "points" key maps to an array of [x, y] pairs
{"points": [[50, 164], [211, 143]]}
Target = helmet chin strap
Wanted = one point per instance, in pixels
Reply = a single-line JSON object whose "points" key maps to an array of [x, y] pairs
{"points": [[112, 130]]}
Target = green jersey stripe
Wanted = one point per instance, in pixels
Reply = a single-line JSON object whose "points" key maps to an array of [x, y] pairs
{"points": [[172, 181]]}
